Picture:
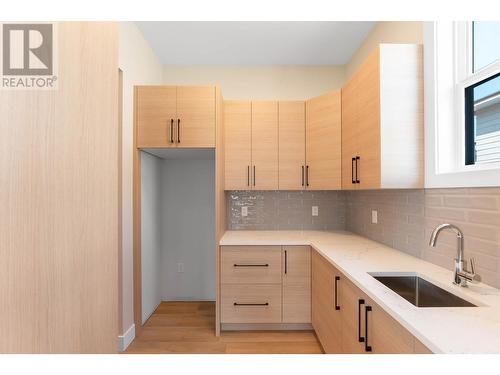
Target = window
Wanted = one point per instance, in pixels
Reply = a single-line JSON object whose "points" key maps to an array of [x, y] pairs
{"points": [[481, 90], [485, 43], [482, 122], [462, 104]]}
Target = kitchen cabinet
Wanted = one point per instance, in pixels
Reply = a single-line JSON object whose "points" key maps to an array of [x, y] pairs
{"points": [[296, 284], [238, 146], [292, 149], [264, 145], [265, 284], [382, 120], [251, 265], [286, 145], [156, 111], [251, 145], [353, 303], [175, 116], [327, 303], [324, 142], [347, 321]]}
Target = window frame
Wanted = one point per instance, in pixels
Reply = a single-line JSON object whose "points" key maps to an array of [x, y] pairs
{"points": [[466, 78], [447, 72]]}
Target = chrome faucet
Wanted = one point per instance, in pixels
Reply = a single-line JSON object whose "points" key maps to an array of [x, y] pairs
{"points": [[461, 274]]}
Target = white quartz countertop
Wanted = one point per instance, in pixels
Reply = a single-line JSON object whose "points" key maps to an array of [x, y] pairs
{"points": [[442, 330]]}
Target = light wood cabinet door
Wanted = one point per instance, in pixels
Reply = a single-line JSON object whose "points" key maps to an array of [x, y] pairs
{"points": [[368, 113], [292, 150], [326, 319], [349, 134], [251, 265], [251, 303], [352, 310], [195, 122], [296, 284], [264, 145], [384, 335], [237, 142], [156, 114], [323, 141]]}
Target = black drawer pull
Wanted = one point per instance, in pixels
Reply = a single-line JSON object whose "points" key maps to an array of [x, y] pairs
{"points": [[251, 304], [368, 348], [353, 160], [360, 302], [337, 278], [171, 130], [178, 130], [250, 265], [357, 167]]}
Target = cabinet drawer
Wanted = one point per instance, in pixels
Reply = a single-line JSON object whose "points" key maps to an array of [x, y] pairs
{"points": [[251, 303], [251, 265]]}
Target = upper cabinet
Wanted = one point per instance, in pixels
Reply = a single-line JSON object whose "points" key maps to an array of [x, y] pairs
{"points": [[382, 120], [324, 142], [251, 145], [265, 145], [175, 116], [292, 148], [237, 142], [286, 145]]}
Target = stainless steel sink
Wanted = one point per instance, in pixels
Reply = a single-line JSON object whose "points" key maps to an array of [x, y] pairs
{"points": [[421, 292]]}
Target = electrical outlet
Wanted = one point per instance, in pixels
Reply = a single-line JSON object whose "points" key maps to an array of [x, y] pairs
{"points": [[374, 216], [244, 211], [180, 267], [315, 210]]}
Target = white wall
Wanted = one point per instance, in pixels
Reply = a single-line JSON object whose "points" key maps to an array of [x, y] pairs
{"points": [[266, 82], [151, 228], [385, 32], [140, 66], [188, 230]]}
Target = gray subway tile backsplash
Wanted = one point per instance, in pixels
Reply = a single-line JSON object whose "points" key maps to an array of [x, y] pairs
{"points": [[405, 219]]}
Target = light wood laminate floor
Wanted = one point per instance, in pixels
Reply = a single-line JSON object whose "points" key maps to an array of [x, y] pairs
{"points": [[188, 327]]}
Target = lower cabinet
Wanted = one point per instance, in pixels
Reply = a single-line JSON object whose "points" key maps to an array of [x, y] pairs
{"points": [[353, 324], [296, 285], [265, 284], [326, 303]]}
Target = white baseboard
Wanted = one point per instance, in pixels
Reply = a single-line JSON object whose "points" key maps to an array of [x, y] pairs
{"points": [[125, 339]]}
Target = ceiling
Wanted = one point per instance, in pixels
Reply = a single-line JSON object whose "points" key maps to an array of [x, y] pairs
{"points": [[255, 43]]}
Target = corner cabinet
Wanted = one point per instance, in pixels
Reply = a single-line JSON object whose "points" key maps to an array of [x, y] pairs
{"points": [[175, 116], [382, 120], [347, 321]]}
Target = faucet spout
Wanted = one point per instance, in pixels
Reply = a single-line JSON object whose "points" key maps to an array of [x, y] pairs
{"points": [[460, 275]]}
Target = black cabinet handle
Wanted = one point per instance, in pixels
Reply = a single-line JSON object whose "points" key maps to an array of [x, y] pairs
{"points": [[250, 265], [307, 175], [171, 130], [286, 262], [178, 130], [251, 304], [302, 175], [360, 302], [337, 278], [357, 167], [368, 348], [248, 175], [353, 160], [254, 175]]}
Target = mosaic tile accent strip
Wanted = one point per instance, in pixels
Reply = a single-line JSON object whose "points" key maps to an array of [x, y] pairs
{"points": [[286, 210]]}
